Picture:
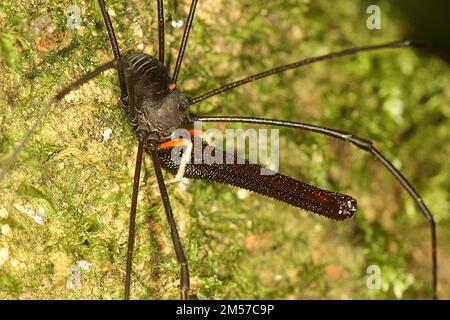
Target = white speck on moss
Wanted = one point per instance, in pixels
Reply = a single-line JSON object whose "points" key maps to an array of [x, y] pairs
{"points": [[84, 264], [70, 97], [3, 213], [5, 229], [242, 194], [4, 254], [37, 216], [107, 134], [177, 23]]}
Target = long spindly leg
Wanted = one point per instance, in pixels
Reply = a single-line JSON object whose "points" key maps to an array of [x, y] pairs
{"points": [[361, 144], [114, 46], [181, 258], [132, 224], [112, 64], [329, 56], [161, 31], [184, 40], [137, 175]]}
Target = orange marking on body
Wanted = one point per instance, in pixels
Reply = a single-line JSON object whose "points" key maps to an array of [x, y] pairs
{"points": [[176, 142], [172, 86], [171, 143], [196, 132]]}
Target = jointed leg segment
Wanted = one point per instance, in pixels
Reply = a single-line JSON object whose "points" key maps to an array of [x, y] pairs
{"points": [[181, 258], [329, 56], [114, 46]]}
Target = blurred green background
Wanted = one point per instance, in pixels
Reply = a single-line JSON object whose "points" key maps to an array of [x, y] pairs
{"points": [[239, 245]]}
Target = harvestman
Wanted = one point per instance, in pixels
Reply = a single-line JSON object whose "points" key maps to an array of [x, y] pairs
{"points": [[155, 108]]}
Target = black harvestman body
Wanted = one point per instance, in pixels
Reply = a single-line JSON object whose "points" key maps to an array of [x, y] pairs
{"points": [[155, 107]]}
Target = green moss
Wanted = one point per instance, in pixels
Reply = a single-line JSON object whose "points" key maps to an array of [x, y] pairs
{"points": [[251, 248]]}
